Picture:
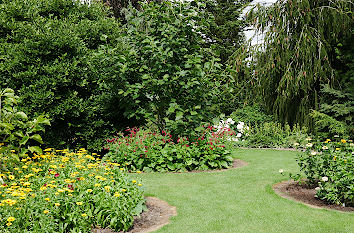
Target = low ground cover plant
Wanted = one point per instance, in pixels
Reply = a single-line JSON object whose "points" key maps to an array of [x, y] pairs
{"points": [[63, 191], [146, 150], [329, 165]]}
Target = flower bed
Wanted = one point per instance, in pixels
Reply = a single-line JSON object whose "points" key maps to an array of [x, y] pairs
{"points": [[62, 191], [146, 150], [330, 165]]}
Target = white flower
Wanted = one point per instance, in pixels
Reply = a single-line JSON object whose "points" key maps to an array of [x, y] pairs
{"points": [[317, 188], [241, 123], [325, 179], [325, 147], [308, 139], [296, 144], [313, 153], [239, 127], [248, 128], [235, 139], [309, 145], [281, 170], [239, 135], [230, 121]]}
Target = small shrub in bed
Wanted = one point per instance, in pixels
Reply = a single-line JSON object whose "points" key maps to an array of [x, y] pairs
{"points": [[62, 191], [146, 150], [330, 166]]}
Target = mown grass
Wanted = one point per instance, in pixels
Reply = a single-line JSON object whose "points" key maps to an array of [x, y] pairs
{"points": [[242, 199]]}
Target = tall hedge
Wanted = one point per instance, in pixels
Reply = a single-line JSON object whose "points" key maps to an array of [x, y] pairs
{"points": [[48, 53]]}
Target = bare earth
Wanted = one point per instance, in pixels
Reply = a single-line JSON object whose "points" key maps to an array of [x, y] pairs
{"points": [[302, 193]]}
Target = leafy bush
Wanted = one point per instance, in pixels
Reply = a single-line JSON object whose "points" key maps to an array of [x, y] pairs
{"points": [[274, 135], [49, 52], [330, 165], [251, 115], [167, 77], [62, 191], [146, 150], [17, 132]]}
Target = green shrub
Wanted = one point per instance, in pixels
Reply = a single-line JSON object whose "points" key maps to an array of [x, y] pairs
{"points": [[49, 52], [166, 76], [251, 115], [146, 150], [63, 191], [18, 134], [274, 135], [330, 165]]}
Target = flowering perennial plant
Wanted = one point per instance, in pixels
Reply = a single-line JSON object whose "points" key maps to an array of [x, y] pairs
{"points": [[62, 191], [330, 166], [146, 150]]}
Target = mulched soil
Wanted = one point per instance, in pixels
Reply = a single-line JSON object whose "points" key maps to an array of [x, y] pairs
{"points": [[156, 216], [303, 193]]}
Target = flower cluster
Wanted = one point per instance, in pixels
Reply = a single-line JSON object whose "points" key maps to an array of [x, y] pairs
{"points": [[330, 166], [146, 150], [64, 191], [229, 132]]}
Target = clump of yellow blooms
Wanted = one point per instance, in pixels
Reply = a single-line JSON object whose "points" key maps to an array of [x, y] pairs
{"points": [[61, 180]]}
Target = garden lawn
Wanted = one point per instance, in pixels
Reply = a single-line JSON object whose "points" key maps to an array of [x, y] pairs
{"points": [[242, 199]]}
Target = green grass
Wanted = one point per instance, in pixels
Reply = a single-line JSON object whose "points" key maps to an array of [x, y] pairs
{"points": [[241, 200]]}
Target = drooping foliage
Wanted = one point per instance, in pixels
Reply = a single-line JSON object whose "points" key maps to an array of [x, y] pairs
{"points": [[300, 54]]}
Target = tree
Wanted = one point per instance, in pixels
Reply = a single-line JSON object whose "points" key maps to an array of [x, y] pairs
{"points": [[298, 55]]}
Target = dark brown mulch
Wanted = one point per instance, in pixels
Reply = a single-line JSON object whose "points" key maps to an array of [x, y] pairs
{"points": [[156, 216], [303, 193]]}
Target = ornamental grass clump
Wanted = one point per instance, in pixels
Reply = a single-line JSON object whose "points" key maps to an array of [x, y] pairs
{"points": [[329, 165], [62, 191], [146, 150]]}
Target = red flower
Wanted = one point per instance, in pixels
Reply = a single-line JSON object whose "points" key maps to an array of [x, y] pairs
{"points": [[56, 175]]}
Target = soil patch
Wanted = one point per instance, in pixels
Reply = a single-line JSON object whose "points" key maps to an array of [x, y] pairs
{"points": [[303, 193], [156, 216]]}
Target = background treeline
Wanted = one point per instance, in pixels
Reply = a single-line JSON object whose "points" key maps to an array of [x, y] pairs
{"points": [[97, 68]]}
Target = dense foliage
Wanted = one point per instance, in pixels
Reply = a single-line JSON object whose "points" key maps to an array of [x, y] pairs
{"points": [[18, 134], [305, 47], [330, 166], [48, 53], [63, 191], [146, 150], [167, 77]]}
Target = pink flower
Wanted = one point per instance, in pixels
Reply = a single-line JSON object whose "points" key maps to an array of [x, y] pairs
{"points": [[56, 175]]}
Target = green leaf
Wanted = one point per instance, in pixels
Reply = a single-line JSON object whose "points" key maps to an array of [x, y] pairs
{"points": [[8, 126], [21, 115], [35, 149], [179, 115], [37, 137], [24, 140]]}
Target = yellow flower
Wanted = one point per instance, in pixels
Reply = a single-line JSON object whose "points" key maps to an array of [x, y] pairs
{"points": [[97, 185], [47, 199], [8, 224], [107, 188], [57, 204], [24, 167], [11, 177], [140, 185], [79, 203], [84, 215], [89, 190], [337, 148], [343, 141], [123, 190], [116, 194], [138, 172], [46, 211], [11, 219], [133, 181], [26, 184]]}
